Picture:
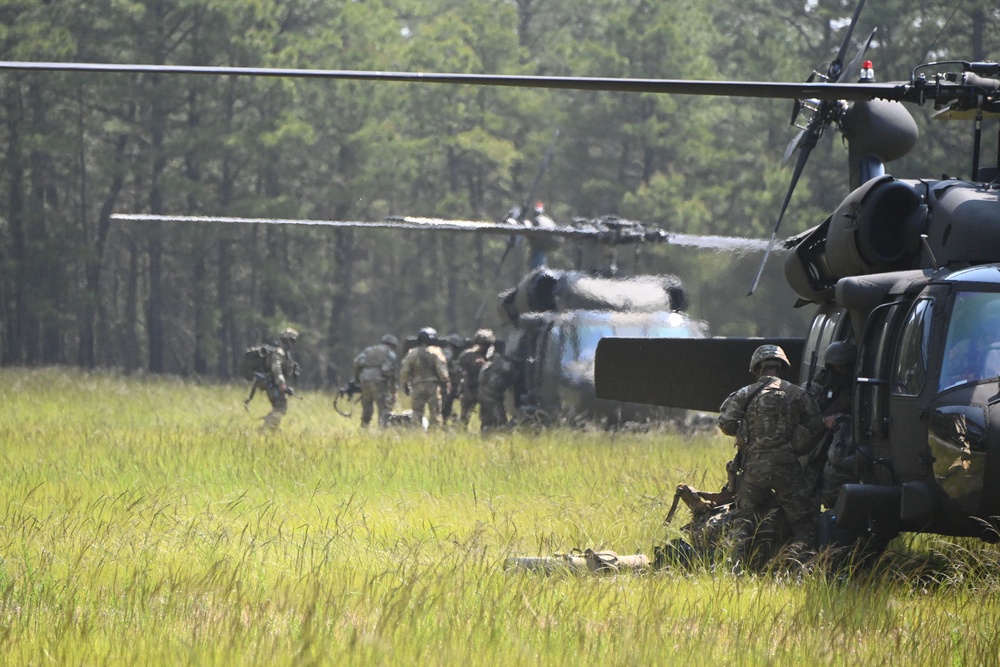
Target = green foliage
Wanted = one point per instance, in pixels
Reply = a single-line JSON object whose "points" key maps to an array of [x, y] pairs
{"points": [[149, 521], [79, 289]]}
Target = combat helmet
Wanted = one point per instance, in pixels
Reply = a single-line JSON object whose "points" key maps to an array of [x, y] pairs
{"points": [[484, 337], [840, 353], [390, 340], [289, 335], [767, 353], [426, 335]]}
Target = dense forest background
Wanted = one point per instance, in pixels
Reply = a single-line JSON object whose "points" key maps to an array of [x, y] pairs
{"points": [[78, 288]]}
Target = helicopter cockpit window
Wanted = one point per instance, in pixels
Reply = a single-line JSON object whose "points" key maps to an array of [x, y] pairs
{"points": [[972, 349], [911, 366], [582, 341]]}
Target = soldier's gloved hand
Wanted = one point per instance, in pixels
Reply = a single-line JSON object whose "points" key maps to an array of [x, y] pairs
{"points": [[289, 391]]}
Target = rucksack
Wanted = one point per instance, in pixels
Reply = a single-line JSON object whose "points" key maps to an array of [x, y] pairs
{"points": [[772, 424], [255, 360]]}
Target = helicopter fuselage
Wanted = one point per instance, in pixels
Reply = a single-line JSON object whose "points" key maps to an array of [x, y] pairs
{"points": [[907, 271], [557, 351], [927, 407]]}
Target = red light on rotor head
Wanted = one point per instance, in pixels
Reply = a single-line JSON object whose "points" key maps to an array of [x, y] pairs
{"points": [[867, 71]]}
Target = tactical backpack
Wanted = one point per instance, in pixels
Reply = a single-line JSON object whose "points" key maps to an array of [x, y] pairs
{"points": [[772, 425], [255, 360]]}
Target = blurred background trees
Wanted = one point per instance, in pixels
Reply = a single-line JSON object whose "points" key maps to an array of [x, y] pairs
{"points": [[79, 288]]}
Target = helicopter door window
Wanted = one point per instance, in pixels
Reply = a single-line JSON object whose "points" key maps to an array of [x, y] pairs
{"points": [[972, 348], [874, 357], [826, 327], [583, 344], [911, 367]]}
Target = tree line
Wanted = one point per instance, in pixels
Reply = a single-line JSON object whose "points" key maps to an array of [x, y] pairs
{"points": [[77, 287]]}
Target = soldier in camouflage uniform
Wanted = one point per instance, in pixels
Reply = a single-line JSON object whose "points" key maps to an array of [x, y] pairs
{"points": [[497, 376], [833, 389], [280, 364], [376, 372], [778, 421], [424, 376], [455, 345], [470, 364]]}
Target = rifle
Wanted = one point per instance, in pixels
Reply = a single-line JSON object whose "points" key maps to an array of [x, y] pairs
{"points": [[263, 380], [349, 390], [259, 380]]}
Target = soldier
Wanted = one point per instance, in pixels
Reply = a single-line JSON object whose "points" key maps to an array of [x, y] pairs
{"points": [[778, 422], [279, 364], [424, 376], [497, 376], [470, 364], [376, 372], [456, 343], [833, 389]]}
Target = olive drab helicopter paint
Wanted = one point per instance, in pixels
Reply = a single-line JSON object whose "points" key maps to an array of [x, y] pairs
{"points": [[906, 268]]}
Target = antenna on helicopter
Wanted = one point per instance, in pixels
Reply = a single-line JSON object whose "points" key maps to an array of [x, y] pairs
{"points": [[930, 253]]}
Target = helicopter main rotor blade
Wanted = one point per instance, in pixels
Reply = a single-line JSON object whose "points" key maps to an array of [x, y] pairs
{"points": [[632, 233], [840, 75], [549, 152], [856, 62], [757, 89], [807, 138], [808, 142]]}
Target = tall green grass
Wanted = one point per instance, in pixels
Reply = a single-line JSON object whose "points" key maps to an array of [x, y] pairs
{"points": [[151, 521]]}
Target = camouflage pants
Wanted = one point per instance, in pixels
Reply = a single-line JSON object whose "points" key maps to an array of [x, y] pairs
{"points": [[836, 470], [492, 413], [426, 395], [776, 475], [375, 394], [468, 404], [279, 406]]}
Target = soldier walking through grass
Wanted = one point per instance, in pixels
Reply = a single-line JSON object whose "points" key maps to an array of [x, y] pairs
{"points": [[424, 376], [376, 372], [280, 366], [470, 364]]}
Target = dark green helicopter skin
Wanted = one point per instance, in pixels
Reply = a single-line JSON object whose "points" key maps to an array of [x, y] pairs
{"points": [[907, 269]]}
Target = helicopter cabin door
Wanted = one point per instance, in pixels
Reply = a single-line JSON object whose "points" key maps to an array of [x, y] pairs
{"points": [[910, 384], [871, 397]]}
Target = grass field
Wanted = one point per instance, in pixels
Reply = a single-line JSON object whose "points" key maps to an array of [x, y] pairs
{"points": [[149, 521]]}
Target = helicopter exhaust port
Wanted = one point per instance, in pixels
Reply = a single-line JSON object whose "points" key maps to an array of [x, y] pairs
{"points": [[876, 228]]}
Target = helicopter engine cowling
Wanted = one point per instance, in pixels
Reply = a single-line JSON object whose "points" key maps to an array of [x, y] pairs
{"points": [[875, 229]]}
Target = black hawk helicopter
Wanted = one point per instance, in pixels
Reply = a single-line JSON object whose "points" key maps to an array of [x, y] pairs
{"points": [[908, 269], [554, 318]]}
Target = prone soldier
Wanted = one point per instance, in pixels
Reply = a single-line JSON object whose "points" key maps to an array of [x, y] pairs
{"points": [[375, 370], [424, 376]]}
